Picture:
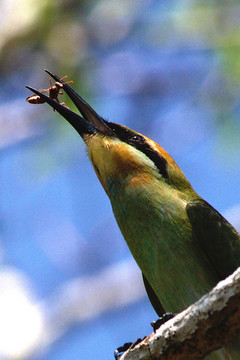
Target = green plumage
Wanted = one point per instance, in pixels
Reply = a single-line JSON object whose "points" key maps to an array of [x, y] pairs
{"points": [[182, 247]]}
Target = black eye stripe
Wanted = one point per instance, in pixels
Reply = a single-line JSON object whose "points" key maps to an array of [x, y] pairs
{"points": [[140, 143], [158, 160]]}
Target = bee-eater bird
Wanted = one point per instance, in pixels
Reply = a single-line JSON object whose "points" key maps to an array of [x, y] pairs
{"points": [[182, 245]]}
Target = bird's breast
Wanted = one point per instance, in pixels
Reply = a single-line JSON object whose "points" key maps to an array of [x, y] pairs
{"points": [[158, 232]]}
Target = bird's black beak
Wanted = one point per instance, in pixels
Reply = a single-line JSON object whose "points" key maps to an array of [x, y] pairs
{"points": [[89, 123]]}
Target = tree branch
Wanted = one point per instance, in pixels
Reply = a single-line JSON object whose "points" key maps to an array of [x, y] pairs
{"points": [[205, 326]]}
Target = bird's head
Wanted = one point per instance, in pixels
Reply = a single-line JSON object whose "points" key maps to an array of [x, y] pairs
{"points": [[119, 155]]}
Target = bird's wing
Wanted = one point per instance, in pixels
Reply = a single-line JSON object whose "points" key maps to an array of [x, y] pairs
{"points": [[153, 298], [218, 239]]}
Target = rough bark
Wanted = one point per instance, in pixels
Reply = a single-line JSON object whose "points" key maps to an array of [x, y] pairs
{"points": [[205, 326]]}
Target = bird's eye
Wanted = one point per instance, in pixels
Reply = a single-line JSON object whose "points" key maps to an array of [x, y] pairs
{"points": [[136, 138]]}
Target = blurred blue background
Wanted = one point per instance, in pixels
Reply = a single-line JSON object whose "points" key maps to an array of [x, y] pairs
{"points": [[69, 288]]}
